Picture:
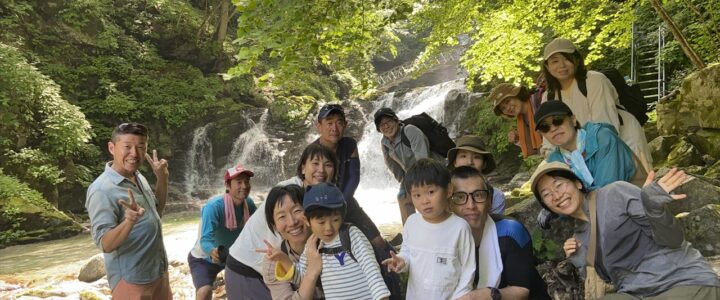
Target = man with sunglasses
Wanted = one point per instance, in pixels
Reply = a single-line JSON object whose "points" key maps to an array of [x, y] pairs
{"points": [[503, 247], [594, 152], [125, 217]]}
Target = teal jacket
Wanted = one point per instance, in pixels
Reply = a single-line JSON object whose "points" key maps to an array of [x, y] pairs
{"points": [[606, 155]]}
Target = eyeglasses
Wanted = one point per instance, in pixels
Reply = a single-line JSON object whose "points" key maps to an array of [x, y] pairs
{"points": [[386, 123], [556, 121], [478, 196], [559, 187]]}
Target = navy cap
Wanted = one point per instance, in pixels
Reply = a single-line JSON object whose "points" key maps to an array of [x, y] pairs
{"points": [[551, 108], [384, 112], [328, 109], [323, 194]]}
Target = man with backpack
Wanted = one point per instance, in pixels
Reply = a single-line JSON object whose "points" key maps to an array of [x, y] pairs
{"points": [[402, 145]]}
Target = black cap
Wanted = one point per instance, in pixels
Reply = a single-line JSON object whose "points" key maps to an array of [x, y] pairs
{"points": [[384, 112], [551, 108], [328, 109]]}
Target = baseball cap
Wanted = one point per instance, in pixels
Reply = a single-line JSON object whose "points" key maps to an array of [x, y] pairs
{"points": [[328, 109], [501, 92], [323, 194], [558, 45], [384, 112], [475, 144], [236, 171], [551, 108]]}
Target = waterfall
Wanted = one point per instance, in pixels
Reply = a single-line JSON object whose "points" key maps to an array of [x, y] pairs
{"points": [[199, 165], [257, 151], [378, 188]]}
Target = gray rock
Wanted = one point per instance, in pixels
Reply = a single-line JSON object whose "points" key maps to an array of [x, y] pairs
{"points": [[696, 105], [93, 270], [699, 193], [700, 228]]}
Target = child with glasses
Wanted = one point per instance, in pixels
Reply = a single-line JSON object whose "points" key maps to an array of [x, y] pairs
{"points": [[437, 247]]}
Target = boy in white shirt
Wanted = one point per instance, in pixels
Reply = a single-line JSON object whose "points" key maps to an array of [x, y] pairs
{"points": [[349, 268], [438, 248]]}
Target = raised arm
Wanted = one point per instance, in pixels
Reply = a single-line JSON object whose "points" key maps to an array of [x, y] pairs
{"points": [[655, 195], [160, 168]]}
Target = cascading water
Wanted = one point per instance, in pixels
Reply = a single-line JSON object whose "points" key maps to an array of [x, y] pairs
{"points": [[255, 150], [199, 164], [378, 188]]}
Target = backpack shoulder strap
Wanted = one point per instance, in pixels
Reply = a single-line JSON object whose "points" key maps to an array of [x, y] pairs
{"points": [[592, 245], [403, 138], [345, 241]]}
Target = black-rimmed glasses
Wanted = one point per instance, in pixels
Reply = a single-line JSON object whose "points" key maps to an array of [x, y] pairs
{"points": [[478, 196]]}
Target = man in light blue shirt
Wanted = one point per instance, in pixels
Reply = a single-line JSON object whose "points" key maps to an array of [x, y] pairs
{"points": [[125, 217]]}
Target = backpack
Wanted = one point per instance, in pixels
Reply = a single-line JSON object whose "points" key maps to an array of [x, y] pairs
{"points": [[345, 243], [437, 135], [631, 96]]}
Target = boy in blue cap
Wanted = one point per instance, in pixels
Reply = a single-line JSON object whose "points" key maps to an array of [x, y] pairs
{"points": [[350, 270]]}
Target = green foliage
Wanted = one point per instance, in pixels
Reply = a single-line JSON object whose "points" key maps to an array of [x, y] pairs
{"points": [[18, 203], [39, 129], [509, 36], [483, 122], [291, 110], [545, 249], [294, 36]]}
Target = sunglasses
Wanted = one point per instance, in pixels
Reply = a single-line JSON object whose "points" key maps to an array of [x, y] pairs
{"points": [[556, 121], [132, 128]]}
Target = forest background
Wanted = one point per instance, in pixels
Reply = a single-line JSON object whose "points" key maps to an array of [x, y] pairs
{"points": [[72, 70]]}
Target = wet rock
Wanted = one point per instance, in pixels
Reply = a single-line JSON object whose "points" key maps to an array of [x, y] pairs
{"points": [[700, 228], [93, 270]]}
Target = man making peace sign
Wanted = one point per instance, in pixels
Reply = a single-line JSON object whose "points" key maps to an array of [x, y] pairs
{"points": [[125, 217]]}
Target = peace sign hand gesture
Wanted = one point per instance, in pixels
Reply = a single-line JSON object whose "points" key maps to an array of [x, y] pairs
{"points": [[275, 255], [133, 211], [159, 166]]}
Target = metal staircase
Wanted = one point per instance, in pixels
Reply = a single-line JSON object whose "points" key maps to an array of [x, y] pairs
{"points": [[647, 67]]}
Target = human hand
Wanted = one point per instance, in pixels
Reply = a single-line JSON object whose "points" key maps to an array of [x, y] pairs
{"points": [[394, 263], [571, 246], [314, 260], [133, 211], [159, 166], [214, 256], [513, 136], [275, 255], [672, 180]]}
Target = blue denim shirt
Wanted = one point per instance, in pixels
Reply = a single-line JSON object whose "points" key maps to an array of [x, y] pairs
{"points": [[141, 258]]}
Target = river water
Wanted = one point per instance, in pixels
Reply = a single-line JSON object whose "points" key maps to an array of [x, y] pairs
{"points": [[49, 269]]}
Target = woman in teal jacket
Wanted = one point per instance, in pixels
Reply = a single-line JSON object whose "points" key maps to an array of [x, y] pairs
{"points": [[594, 152]]}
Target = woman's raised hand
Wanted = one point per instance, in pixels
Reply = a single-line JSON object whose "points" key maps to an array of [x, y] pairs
{"points": [[672, 180]]}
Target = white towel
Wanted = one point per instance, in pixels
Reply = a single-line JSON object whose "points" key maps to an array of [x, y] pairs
{"points": [[489, 260]]}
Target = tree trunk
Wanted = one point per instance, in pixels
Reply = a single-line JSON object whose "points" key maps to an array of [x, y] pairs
{"points": [[689, 52], [223, 22]]}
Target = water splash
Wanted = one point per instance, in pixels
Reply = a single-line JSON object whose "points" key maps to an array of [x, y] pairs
{"points": [[199, 164]]}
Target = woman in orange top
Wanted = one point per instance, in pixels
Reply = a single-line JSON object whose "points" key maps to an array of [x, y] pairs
{"points": [[512, 101]]}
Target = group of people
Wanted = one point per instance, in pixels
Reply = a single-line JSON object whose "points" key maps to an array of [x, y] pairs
{"points": [[310, 239]]}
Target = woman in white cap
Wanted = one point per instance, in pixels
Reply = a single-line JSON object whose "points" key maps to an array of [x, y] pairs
{"points": [[565, 72], [628, 235]]}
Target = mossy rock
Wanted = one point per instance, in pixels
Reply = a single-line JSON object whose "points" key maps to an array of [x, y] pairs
{"points": [[26, 217], [695, 106], [700, 228], [684, 154]]}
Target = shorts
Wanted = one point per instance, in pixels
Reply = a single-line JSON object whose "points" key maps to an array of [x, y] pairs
{"points": [[203, 272]]}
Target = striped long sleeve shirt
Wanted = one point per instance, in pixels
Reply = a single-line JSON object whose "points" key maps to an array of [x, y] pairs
{"points": [[344, 278]]}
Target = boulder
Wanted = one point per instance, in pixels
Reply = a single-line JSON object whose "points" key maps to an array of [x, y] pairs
{"points": [[694, 106], [684, 153], [700, 228], [699, 193], [706, 141], [93, 270], [661, 146]]}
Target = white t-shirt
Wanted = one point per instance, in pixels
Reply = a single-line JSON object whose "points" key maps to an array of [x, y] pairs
{"points": [[254, 233], [440, 258]]}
